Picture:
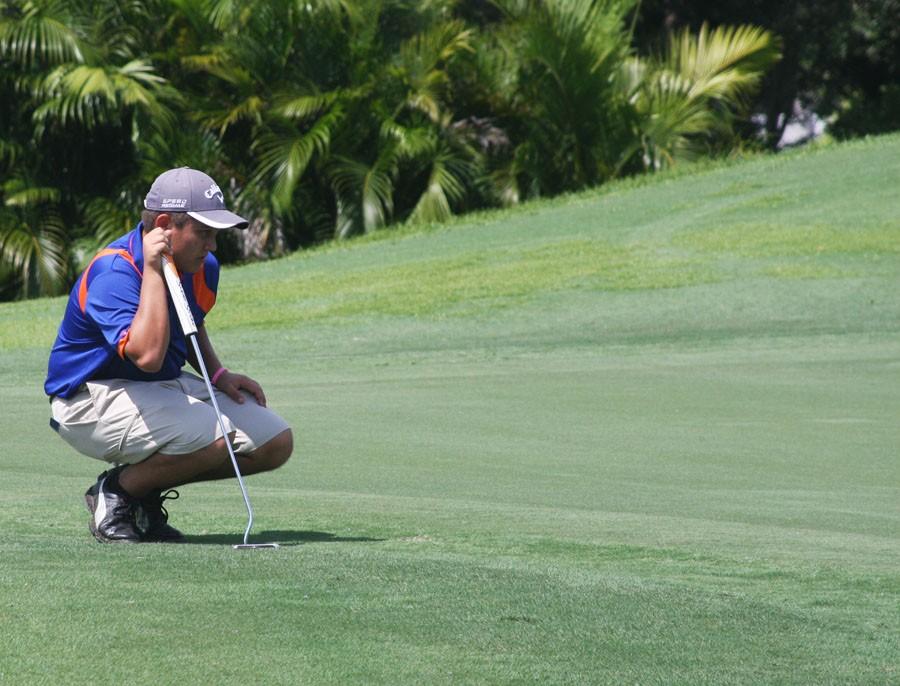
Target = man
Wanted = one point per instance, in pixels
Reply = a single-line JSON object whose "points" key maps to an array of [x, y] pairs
{"points": [[115, 381]]}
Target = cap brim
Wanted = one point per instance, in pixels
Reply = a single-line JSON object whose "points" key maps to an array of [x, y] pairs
{"points": [[220, 219]]}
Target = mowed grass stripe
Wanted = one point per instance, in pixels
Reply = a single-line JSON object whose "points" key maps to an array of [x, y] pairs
{"points": [[408, 610], [697, 224]]}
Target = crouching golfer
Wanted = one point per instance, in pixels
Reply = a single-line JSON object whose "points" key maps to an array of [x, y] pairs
{"points": [[115, 381]]}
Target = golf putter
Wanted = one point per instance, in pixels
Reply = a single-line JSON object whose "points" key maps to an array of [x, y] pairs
{"points": [[190, 331]]}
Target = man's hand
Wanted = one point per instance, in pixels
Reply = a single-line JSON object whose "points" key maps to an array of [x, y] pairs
{"points": [[232, 384], [156, 244]]}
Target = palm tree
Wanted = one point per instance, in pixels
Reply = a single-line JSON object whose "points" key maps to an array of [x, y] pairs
{"points": [[416, 143], [689, 95], [267, 86], [33, 254], [33, 246], [581, 108], [571, 123], [336, 109], [84, 99]]}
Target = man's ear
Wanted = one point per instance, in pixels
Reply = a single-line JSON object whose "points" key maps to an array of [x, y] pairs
{"points": [[162, 220]]}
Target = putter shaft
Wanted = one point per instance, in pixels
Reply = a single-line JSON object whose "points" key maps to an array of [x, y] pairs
{"points": [[189, 327], [234, 462]]}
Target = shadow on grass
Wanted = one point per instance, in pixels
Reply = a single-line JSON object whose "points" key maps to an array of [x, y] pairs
{"points": [[282, 538]]}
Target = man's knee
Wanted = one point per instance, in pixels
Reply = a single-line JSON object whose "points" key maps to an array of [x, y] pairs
{"points": [[213, 455], [274, 453]]}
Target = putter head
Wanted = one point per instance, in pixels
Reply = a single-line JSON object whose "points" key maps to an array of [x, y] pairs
{"points": [[245, 546]]}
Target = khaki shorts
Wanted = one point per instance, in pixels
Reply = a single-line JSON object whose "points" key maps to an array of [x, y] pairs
{"points": [[117, 420]]}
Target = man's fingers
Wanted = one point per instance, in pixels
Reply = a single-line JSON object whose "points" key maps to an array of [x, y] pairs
{"points": [[238, 383], [236, 395], [233, 391], [256, 391]]}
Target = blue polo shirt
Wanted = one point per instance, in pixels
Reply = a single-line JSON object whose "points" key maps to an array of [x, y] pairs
{"points": [[104, 300]]}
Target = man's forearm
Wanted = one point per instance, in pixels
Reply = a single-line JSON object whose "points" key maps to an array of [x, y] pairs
{"points": [[148, 338]]}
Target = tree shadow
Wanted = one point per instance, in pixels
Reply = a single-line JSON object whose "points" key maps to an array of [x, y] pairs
{"points": [[282, 538]]}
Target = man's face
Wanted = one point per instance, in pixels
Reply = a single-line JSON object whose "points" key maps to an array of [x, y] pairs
{"points": [[190, 245]]}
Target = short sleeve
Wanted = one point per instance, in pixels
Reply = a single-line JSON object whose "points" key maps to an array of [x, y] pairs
{"points": [[112, 302]]}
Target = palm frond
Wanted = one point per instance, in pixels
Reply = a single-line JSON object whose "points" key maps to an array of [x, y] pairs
{"points": [[411, 142], [19, 193], [44, 34], [222, 65], [285, 153], [250, 109], [576, 118], [86, 82], [377, 196], [53, 256], [179, 146], [224, 14], [504, 184], [38, 255], [364, 193], [722, 62], [91, 95], [421, 61], [301, 107], [109, 220], [694, 90], [447, 182], [10, 150], [630, 78]]}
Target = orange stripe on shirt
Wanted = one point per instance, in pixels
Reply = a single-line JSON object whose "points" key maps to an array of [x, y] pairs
{"points": [[123, 341], [83, 287], [203, 294]]}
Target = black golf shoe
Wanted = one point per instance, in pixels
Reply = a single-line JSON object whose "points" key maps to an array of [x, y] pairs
{"points": [[90, 495], [113, 519], [155, 522]]}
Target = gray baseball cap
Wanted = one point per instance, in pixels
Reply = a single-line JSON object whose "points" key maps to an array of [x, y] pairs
{"points": [[188, 190]]}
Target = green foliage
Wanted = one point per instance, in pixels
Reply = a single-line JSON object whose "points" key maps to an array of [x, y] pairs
{"points": [[331, 118], [572, 121], [840, 59], [80, 91], [690, 94], [37, 259]]}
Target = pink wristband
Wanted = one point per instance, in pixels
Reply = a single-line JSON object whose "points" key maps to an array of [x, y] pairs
{"points": [[215, 377]]}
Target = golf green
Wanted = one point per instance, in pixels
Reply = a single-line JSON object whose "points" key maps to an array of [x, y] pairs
{"points": [[647, 434]]}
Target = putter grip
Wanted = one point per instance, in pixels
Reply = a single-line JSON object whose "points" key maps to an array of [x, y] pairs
{"points": [[179, 298]]}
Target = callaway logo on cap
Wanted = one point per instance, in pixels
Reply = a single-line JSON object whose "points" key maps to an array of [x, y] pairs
{"points": [[188, 190]]}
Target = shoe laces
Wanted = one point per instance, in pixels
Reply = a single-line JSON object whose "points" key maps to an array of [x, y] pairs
{"points": [[171, 494], [154, 506]]}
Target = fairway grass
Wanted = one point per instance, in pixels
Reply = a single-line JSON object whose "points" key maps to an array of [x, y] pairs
{"points": [[646, 434]]}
